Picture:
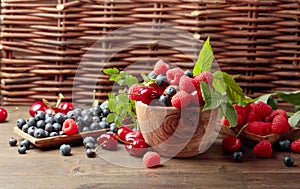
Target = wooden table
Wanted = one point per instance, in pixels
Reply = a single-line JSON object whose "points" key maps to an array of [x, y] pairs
{"points": [[213, 169]]}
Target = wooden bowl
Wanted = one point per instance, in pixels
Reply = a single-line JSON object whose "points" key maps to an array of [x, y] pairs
{"points": [[174, 132]]}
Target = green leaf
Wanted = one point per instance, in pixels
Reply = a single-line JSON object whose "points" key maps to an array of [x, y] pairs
{"points": [[291, 97], [230, 113], [205, 58], [111, 71], [212, 98], [264, 98], [294, 119], [110, 117], [131, 80], [123, 98], [218, 82], [113, 77]]}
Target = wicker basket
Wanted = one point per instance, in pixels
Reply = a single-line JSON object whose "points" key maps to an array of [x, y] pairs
{"points": [[44, 41]]}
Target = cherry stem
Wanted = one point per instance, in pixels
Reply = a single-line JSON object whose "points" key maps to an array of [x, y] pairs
{"points": [[118, 138]]}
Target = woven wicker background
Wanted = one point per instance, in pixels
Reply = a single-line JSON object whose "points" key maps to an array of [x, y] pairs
{"points": [[43, 42]]}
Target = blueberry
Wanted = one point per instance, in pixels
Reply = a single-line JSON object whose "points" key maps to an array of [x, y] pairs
{"points": [[47, 115], [188, 73], [80, 124], [103, 119], [22, 149], [113, 127], [65, 149], [97, 111], [164, 100], [161, 80], [25, 128], [40, 124], [59, 118], [284, 145], [94, 126], [96, 119], [49, 120], [57, 127], [89, 145], [88, 139], [31, 121], [12, 141], [49, 127], [90, 153], [39, 115], [52, 134], [85, 129], [20, 123], [72, 115], [46, 133], [103, 125], [288, 161], [31, 130], [87, 119], [86, 113], [25, 143], [170, 91], [39, 133], [105, 112], [237, 156], [152, 75], [77, 111], [61, 133]]}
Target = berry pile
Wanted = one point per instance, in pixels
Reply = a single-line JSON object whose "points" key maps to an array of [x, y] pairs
{"points": [[171, 87]]}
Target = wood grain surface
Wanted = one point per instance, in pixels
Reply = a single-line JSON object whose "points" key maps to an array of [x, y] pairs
{"points": [[213, 169]]}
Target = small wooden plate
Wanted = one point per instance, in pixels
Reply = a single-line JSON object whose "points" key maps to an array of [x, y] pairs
{"points": [[57, 140]]}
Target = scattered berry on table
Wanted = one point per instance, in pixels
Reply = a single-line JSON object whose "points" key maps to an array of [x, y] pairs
{"points": [[25, 143], [65, 149], [12, 141], [22, 149], [107, 141], [136, 147], [91, 153], [288, 161], [237, 156], [122, 131], [231, 144], [88, 139], [263, 149], [151, 159], [284, 145], [295, 145]]}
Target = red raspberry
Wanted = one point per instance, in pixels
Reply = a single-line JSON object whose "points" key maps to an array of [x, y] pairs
{"points": [[263, 149], [295, 145], [253, 117], [186, 84], [160, 67], [134, 92], [225, 122], [151, 159], [203, 77], [241, 115], [280, 124], [262, 109], [181, 99], [70, 127], [271, 116], [174, 75], [197, 98], [249, 107], [231, 144], [282, 113], [259, 128]]}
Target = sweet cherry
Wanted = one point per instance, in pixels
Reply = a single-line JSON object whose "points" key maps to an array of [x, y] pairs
{"points": [[37, 106], [3, 115], [136, 147], [231, 144], [108, 141], [65, 107], [148, 94], [70, 127], [122, 131], [133, 135]]}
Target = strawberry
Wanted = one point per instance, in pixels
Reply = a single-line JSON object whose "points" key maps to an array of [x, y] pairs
{"points": [[181, 99], [160, 67], [259, 128], [174, 75], [262, 109], [197, 98], [203, 77], [280, 124], [295, 145], [231, 144], [151, 159], [186, 84], [263, 149]]}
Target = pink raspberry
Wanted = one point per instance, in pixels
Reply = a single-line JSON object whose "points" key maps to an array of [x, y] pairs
{"points": [[197, 98], [203, 77], [151, 159], [161, 67], [181, 99], [280, 124], [186, 84], [174, 75]]}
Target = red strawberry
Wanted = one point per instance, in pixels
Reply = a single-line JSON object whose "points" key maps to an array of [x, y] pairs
{"points": [[295, 145], [203, 77], [231, 144], [263, 149], [186, 84], [280, 124], [259, 128], [151, 159], [197, 98], [181, 99], [160, 67], [262, 109], [174, 75]]}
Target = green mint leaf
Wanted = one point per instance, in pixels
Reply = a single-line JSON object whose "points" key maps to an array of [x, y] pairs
{"points": [[218, 82], [205, 58], [294, 119], [110, 117], [212, 98], [131, 80], [291, 97], [111, 71], [264, 98], [230, 113]]}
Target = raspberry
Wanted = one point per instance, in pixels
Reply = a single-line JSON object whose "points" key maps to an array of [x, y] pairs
{"points": [[203, 77], [259, 128], [225, 122], [70, 127], [262, 109], [186, 84], [160, 67], [263, 149], [280, 124], [249, 107], [151, 159], [271, 116], [282, 113], [134, 92], [174, 75], [253, 117], [181, 99], [197, 98], [241, 114], [295, 145]]}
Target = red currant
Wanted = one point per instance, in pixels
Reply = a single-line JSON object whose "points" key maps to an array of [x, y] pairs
{"points": [[148, 94], [37, 106], [108, 141], [3, 115], [122, 131], [70, 127], [136, 147], [231, 144]]}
